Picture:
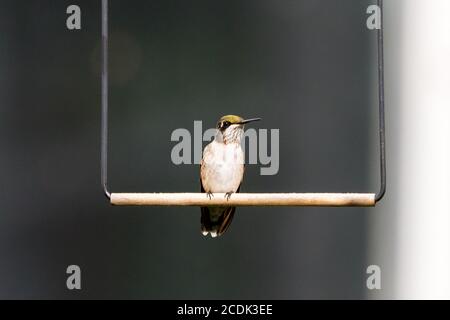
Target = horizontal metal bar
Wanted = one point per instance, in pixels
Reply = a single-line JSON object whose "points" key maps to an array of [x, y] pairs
{"points": [[245, 199]]}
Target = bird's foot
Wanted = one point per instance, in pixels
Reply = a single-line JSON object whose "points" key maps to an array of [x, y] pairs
{"points": [[210, 195], [228, 195]]}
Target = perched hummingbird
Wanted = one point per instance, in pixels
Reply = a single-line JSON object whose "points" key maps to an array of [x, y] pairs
{"points": [[222, 171]]}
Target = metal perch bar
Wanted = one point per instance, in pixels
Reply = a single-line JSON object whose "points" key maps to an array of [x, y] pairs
{"points": [[245, 199]]}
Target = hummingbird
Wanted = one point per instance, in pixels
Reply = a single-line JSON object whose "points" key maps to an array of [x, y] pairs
{"points": [[222, 171]]}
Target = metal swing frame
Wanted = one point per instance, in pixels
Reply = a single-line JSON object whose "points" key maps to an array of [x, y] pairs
{"points": [[241, 199]]}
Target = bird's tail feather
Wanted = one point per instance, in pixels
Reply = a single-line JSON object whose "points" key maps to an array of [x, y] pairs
{"points": [[216, 221]]}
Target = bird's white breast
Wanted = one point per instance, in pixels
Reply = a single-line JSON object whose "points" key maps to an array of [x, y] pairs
{"points": [[222, 167]]}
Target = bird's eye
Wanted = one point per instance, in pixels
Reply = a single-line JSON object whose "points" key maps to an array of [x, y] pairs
{"points": [[226, 124]]}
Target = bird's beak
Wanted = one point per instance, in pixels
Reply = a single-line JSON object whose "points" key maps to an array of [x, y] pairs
{"points": [[250, 120]]}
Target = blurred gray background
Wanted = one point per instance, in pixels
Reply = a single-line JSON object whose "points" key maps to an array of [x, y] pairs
{"points": [[306, 67]]}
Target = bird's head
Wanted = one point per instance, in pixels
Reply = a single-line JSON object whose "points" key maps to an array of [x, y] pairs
{"points": [[231, 128]]}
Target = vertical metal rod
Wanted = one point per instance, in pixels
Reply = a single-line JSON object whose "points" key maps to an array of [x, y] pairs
{"points": [[104, 93], [382, 132]]}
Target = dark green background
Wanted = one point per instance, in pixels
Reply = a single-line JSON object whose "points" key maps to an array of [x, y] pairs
{"points": [[306, 67]]}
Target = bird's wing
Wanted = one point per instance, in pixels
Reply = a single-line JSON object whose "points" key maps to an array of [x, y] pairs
{"points": [[227, 218]]}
